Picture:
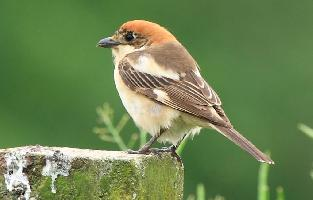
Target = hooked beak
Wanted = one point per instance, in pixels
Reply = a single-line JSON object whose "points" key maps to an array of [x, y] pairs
{"points": [[108, 43]]}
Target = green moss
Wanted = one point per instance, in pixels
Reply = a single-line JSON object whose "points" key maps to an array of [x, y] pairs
{"points": [[80, 184], [3, 188], [123, 177], [2, 163], [163, 178], [34, 168], [154, 178], [2, 171]]}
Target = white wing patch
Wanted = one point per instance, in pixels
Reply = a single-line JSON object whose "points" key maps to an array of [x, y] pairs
{"points": [[147, 64], [161, 95]]}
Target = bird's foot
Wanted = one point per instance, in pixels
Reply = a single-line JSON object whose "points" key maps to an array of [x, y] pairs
{"points": [[151, 150], [162, 150], [171, 149], [140, 151]]}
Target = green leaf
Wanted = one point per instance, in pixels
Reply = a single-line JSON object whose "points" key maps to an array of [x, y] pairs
{"points": [[306, 129], [181, 147]]}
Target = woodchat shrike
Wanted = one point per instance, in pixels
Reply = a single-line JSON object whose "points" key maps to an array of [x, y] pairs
{"points": [[161, 87]]}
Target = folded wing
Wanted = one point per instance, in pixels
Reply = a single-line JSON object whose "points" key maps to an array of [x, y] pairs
{"points": [[190, 94]]}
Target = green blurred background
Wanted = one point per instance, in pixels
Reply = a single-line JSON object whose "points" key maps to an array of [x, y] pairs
{"points": [[256, 54]]}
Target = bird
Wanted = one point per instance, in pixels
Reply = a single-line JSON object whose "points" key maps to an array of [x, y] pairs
{"points": [[161, 87]]}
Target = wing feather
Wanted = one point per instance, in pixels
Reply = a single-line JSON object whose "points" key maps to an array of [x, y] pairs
{"points": [[190, 94]]}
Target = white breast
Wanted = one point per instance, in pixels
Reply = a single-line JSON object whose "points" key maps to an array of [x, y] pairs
{"points": [[147, 114]]}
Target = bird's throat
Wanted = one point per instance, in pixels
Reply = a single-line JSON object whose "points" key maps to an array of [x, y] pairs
{"points": [[121, 51]]}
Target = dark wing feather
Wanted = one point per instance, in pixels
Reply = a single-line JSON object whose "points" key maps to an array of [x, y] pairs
{"points": [[190, 94]]}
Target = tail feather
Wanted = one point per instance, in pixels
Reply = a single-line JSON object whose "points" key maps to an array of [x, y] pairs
{"points": [[245, 144]]}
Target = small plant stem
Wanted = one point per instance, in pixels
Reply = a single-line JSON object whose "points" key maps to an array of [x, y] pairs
{"points": [[143, 137], [200, 192], [115, 134], [280, 193], [132, 141], [263, 189], [121, 124]]}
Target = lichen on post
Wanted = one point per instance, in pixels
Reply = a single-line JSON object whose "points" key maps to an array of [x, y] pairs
{"points": [[36, 172]]}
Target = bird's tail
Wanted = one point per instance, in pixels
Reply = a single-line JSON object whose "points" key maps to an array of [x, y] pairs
{"points": [[245, 144]]}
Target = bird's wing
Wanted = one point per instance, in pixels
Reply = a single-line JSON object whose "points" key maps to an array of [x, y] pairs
{"points": [[190, 94]]}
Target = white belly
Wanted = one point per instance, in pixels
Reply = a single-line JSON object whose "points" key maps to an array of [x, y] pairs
{"points": [[147, 114]]}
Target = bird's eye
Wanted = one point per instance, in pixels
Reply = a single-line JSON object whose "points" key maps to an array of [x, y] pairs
{"points": [[129, 36]]}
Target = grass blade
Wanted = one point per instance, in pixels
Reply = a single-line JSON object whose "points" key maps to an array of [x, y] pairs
{"points": [[263, 189], [306, 129], [181, 147], [280, 194], [200, 192]]}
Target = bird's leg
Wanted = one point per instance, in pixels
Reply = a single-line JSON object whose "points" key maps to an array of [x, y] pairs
{"points": [[145, 149], [175, 147], [172, 149]]}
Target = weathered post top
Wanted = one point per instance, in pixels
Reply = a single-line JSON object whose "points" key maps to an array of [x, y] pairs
{"points": [[36, 172]]}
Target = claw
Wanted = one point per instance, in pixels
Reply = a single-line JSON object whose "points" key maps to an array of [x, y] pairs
{"points": [[171, 149], [147, 151], [162, 150]]}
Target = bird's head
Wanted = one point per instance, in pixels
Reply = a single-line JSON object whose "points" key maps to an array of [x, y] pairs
{"points": [[137, 34]]}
